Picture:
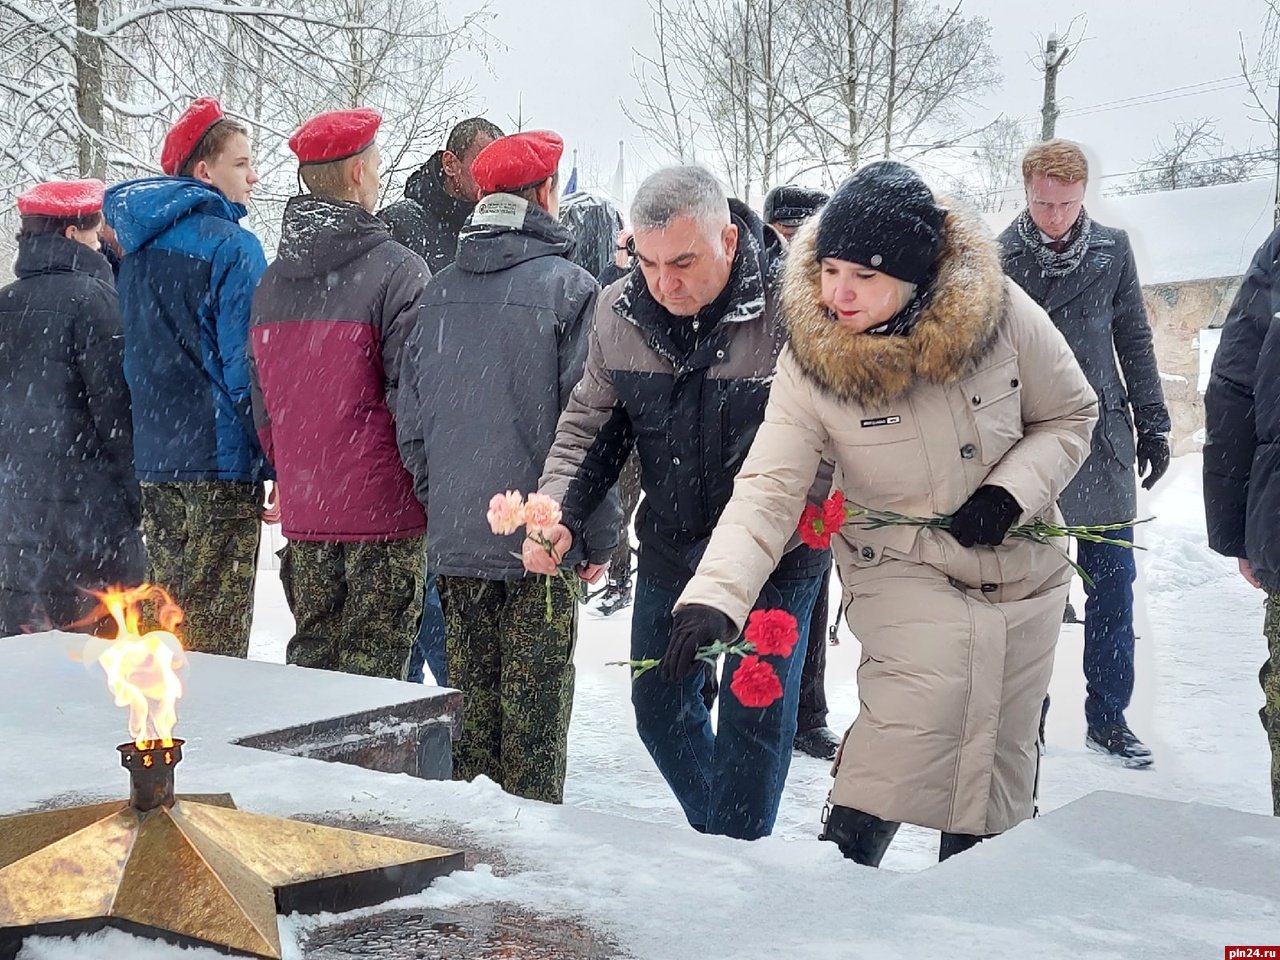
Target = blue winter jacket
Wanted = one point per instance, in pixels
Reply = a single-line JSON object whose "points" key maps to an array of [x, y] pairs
{"points": [[185, 285]]}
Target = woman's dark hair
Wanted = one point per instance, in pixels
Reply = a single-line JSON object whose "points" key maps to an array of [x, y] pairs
{"points": [[37, 226], [212, 144]]}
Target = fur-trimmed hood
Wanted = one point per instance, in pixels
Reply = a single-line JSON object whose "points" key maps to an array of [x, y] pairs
{"points": [[958, 323]]}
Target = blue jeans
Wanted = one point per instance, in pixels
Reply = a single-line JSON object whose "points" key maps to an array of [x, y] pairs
{"points": [[1108, 628], [729, 781], [428, 647]]}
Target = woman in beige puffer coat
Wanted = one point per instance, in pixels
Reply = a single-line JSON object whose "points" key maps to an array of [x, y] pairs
{"points": [[938, 388]]}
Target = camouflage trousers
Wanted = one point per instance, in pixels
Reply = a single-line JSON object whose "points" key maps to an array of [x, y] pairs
{"points": [[1270, 677], [202, 546], [515, 668], [357, 605]]}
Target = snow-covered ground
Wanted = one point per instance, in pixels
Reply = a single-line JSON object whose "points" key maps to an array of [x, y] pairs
{"points": [[1112, 876], [1196, 701]]}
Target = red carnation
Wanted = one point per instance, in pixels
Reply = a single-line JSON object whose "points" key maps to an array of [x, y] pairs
{"points": [[755, 684], [813, 528], [833, 513], [772, 633]]}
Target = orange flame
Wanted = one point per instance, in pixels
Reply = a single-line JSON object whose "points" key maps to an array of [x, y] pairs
{"points": [[141, 668]]}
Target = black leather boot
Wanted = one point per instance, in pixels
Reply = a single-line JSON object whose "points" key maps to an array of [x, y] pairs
{"points": [[953, 843], [861, 837]]}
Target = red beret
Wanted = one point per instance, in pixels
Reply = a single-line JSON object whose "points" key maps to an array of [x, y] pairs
{"points": [[518, 161], [185, 135], [62, 198], [336, 135]]}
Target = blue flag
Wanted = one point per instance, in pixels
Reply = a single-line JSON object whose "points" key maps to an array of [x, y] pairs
{"points": [[572, 185]]}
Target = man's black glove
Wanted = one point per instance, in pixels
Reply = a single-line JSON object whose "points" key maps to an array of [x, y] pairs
{"points": [[985, 517], [692, 627], [1153, 452]]}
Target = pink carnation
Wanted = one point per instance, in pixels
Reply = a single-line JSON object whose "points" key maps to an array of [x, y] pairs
{"points": [[541, 513], [506, 512]]}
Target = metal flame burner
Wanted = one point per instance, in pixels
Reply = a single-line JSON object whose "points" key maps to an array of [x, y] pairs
{"points": [[150, 773], [191, 869]]}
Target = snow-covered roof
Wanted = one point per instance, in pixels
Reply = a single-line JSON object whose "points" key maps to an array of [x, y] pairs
{"points": [[1193, 234]]}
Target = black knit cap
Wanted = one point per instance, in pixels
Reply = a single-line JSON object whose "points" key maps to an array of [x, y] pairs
{"points": [[883, 217], [792, 205]]}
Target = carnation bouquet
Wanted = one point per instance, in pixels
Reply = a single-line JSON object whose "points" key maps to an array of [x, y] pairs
{"points": [[510, 511], [818, 523], [769, 633]]}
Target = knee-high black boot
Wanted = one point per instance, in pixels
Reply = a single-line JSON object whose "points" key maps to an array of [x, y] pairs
{"points": [[861, 837]]}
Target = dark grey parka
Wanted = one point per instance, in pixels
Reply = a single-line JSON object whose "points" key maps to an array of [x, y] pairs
{"points": [[499, 345]]}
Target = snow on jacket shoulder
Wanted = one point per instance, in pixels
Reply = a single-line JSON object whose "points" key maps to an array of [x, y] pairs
{"points": [[185, 284], [497, 350], [330, 320]]}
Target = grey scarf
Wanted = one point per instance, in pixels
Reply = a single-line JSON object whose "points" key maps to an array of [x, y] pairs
{"points": [[1053, 264]]}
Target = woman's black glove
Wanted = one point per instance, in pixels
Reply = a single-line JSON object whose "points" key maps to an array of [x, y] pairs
{"points": [[692, 627], [985, 517], [1153, 451]]}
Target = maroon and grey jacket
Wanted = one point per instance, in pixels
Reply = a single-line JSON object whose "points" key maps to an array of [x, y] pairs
{"points": [[329, 320]]}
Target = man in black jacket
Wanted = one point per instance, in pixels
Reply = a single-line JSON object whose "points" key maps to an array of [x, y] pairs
{"points": [[438, 198], [440, 195], [1242, 460], [498, 346], [69, 503], [682, 355], [787, 207]]}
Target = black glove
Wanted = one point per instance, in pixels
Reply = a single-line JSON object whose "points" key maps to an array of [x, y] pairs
{"points": [[692, 627], [1153, 452], [985, 517]]}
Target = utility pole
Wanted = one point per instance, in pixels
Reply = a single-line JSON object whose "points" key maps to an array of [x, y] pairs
{"points": [[1054, 57]]}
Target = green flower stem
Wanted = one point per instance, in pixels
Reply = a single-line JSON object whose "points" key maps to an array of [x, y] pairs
{"points": [[638, 667], [570, 577], [1037, 531], [708, 654]]}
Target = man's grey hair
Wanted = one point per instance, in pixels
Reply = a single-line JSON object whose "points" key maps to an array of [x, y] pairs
{"points": [[680, 192]]}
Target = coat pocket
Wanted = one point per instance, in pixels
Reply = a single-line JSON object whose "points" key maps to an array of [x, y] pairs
{"points": [[881, 459], [994, 400]]}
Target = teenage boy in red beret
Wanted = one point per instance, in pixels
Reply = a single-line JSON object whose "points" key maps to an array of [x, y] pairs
{"points": [[499, 345], [329, 320], [185, 283], [69, 503]]}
